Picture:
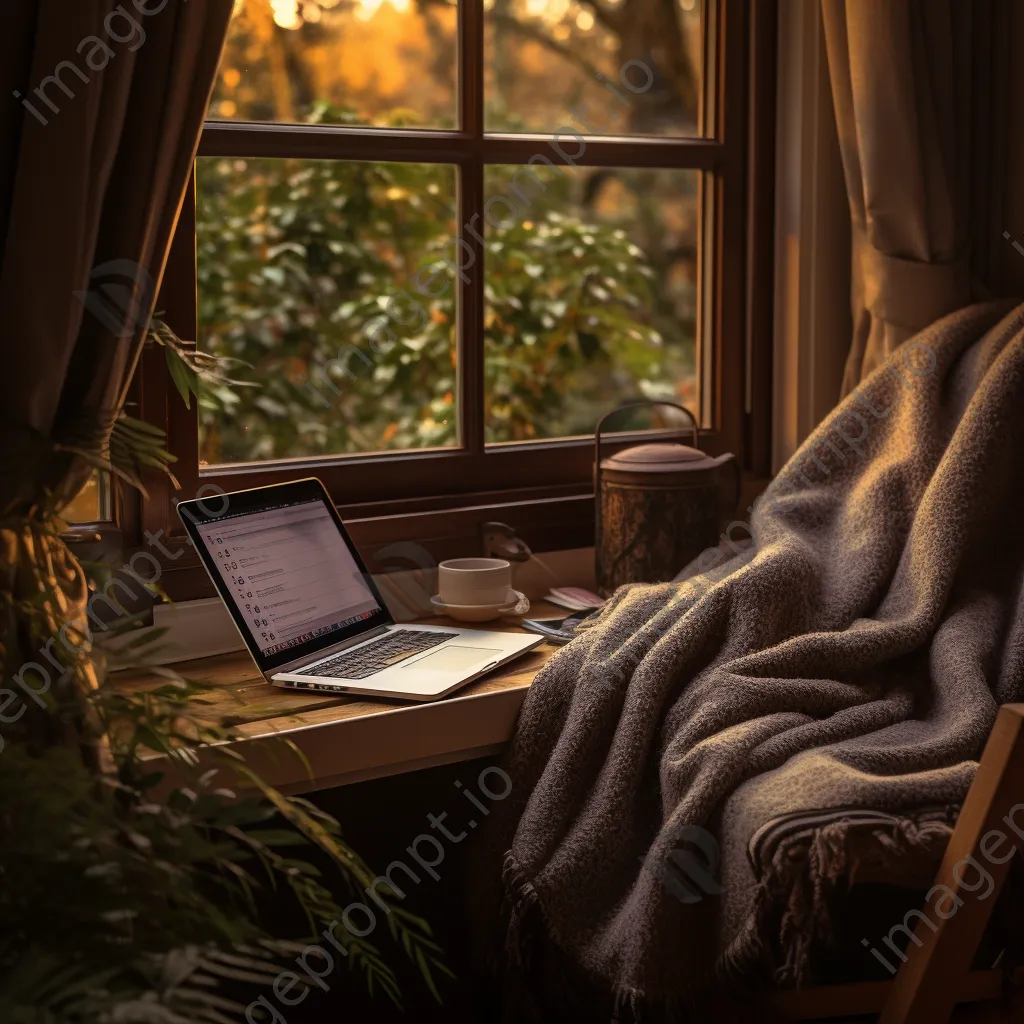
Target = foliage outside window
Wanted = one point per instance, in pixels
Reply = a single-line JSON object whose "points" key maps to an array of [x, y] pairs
{"points": [[307, 269]]}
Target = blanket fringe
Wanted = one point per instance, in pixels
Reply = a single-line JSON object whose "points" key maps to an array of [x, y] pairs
{"points": [[791, 913], [539, 984], [790, 921], [533, 974], [519, 897]]}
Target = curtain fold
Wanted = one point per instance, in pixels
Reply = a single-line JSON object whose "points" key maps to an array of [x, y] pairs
{"points": [[96, 158], [101, 138], [910, 79]]}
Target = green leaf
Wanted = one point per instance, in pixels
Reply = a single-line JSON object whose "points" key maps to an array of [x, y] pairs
{"points": [[185, 379]]}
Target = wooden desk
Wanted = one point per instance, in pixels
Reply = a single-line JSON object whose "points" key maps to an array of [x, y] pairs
{"points": [[300, 742]]}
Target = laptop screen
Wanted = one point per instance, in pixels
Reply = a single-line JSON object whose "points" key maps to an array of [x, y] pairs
{"points": [[286, 570], [290, 574]]}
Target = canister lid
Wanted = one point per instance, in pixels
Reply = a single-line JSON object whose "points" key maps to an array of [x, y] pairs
{"points": [[658, 458]]}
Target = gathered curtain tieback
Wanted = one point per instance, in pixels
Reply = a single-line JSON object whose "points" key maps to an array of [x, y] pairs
{"points": [[913, 294]]}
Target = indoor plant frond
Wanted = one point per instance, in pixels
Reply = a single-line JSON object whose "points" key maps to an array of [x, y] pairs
{"points": [[128, 446], [203, 375], [122, 906]]}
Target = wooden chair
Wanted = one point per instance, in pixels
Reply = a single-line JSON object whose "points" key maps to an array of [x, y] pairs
{"points": [[937, 973]]}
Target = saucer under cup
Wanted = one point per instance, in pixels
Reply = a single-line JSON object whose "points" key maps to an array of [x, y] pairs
{"points": [[515, 603]]}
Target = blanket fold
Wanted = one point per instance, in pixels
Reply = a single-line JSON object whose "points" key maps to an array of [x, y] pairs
{"points": [[854, 655]]}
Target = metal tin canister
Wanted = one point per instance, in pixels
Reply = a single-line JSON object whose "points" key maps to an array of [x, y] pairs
{"points": [[657, 507]]}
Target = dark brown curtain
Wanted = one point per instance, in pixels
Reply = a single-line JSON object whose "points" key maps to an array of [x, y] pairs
{"points": [[916, 93], [92, 176]]}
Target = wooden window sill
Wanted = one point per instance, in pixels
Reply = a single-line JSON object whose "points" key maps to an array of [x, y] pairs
{"points": [[299, 742]]}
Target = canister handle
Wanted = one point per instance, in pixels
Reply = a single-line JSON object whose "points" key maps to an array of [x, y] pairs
{"points": [[642, 403]]}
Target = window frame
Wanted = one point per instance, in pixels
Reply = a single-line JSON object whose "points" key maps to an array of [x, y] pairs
{"points": [[549, 482]]}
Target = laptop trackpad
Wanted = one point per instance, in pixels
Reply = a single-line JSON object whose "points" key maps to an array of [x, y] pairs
{"points": [[451, 659]]}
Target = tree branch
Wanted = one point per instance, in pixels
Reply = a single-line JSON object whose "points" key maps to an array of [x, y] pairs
{"points": [[611, 20], [528, 31]]}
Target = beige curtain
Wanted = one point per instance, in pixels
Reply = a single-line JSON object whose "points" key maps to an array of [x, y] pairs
{"points": [[912, 85]]}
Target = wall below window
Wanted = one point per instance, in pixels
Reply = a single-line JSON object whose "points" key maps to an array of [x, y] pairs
{"points": [[381, 819]]}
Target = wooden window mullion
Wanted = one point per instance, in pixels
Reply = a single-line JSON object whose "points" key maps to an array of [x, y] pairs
{"points": [[719, 153], [470, 250]]}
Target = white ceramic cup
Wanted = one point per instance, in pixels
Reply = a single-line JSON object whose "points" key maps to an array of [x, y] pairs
{"points": [[475, 581]]}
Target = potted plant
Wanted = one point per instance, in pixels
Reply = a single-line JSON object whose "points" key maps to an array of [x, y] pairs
{"points": [[117, 905]]}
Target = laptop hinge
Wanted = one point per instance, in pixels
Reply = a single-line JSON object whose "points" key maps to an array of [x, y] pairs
{"points": [[294, 666]]}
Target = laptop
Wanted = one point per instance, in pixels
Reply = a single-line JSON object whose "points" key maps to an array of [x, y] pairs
{"points": [[309, 612]]}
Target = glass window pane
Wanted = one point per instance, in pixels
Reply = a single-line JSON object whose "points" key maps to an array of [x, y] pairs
{"points": [[591, 288], [305, 271], [364, 62], [91, 504], [620, 67]]}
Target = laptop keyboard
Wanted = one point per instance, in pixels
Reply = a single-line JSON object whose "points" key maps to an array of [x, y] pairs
{"points": [[389, 650]]}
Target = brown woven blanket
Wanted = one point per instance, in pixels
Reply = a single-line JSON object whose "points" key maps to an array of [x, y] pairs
{"points": [[853, 657]]}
